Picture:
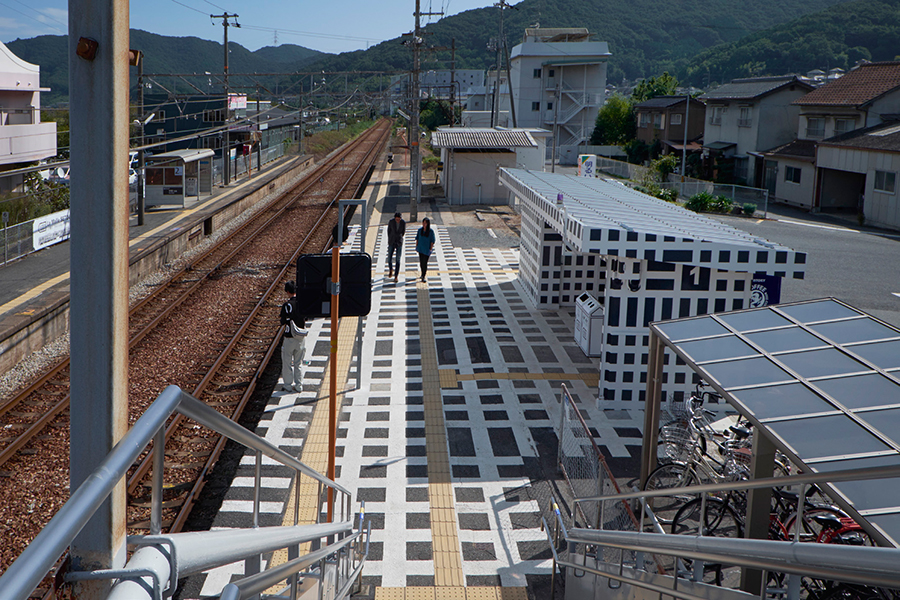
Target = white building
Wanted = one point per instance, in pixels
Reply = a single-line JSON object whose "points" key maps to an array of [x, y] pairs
{"points": [[472, 158], [645, 260], [23, 138], [559, 82]]}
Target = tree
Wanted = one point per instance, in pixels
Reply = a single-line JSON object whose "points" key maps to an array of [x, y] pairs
{"points": [[664, 85], [615, 124]]}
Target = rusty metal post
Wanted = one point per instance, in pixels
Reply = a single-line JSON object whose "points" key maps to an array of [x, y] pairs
{"points": [[99, 109]]}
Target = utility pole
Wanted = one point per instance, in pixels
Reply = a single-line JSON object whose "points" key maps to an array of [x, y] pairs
{"points": [[226, 149], [453, 82], [504, 48], [415, 159]]}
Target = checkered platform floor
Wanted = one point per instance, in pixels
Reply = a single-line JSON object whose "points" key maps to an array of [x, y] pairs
{"points": [[500, 431]]}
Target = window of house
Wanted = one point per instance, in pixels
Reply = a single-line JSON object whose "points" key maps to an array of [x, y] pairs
{"points": [[537, 73], [844, 125], [645, 119], [815, 127], [675, 119], [657, 121], [885, 181], [551, 73], [792, 174], [549, 106], [746, 117], [715, 118], [535, 106]]}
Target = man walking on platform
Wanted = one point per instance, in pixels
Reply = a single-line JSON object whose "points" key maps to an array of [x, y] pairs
{"points": [[396, 229], [293, 343]]}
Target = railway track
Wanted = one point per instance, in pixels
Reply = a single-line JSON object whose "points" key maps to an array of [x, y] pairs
{"points": [[211, 329]]}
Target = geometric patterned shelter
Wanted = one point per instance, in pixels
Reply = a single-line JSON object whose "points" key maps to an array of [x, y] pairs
{"points": [[644, 260], [821, 380]]}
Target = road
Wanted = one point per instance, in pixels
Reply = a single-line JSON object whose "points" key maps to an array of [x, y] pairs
{"points": [[860, 266]]}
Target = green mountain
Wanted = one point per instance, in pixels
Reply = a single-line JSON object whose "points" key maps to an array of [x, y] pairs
{"points": [[645, 37], [162, 54], [836, 37]]}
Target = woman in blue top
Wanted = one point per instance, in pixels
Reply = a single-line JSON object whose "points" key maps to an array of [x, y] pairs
{"points": [[425, 239]]}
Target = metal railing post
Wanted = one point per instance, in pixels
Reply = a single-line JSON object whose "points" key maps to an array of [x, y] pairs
{"points": [[159, 457], [257, 481]]}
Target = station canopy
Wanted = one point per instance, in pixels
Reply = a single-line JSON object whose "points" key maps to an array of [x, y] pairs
{"points": [[821, 379], [602, 216]]}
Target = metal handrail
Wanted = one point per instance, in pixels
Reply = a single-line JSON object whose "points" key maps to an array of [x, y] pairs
{"points": [[255, 584], [25, 574], [865, 565], [768, 482]]}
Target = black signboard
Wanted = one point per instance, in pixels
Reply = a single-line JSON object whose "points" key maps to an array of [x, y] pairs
{"points": [[314, 285]]}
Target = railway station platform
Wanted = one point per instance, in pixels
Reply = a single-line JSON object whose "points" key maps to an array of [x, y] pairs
{"points": [[34, 290], [453, 424]]}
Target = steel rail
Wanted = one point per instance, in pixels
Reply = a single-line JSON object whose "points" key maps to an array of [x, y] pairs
{"points": [[309, 181], [144, 467]]}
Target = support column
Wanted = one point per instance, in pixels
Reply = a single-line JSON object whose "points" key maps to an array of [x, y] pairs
{"points": [[98, 100], [759, 505], [651, 406]]}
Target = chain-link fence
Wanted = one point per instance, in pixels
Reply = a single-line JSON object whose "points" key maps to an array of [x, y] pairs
{"points": [[16, 240], [587, 475]]}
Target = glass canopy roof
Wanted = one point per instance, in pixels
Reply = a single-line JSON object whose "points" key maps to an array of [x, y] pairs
{"points": [[820, 377]]}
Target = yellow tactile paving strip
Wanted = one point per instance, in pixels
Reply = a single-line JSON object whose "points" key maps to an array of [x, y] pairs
{"points": [[315, 448], [444, 541], [451, 593], [451, 377]]}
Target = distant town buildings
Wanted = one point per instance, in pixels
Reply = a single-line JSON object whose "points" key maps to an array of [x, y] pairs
{"points": [[23, 138]]}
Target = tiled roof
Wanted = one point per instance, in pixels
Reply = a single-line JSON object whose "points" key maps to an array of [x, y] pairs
{"points": [[753, 87], [858, 87], [885, 137], [470, 137], [797, 149], [661, 102]]}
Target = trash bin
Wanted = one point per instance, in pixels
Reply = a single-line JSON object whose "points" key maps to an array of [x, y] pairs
{"points": [[589, 325]]}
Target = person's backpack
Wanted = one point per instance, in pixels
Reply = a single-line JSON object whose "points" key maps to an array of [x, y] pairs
{"points": [[292, 328]]}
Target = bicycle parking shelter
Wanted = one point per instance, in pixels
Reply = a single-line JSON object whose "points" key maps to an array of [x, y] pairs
{"points": [[819, 379]]}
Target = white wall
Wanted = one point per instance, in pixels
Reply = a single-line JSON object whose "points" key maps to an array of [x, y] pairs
{"points": [[881, 209], [797, 194], [476, 172]]}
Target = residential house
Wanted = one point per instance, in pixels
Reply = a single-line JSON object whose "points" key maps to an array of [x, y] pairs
{"points": [[864, 97], [662, 118], [23, 138], [472, 158], [859, 171], [559, 82], [746, 117]]}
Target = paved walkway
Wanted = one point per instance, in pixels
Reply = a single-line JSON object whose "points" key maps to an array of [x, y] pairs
{"points": [[455, 415]]}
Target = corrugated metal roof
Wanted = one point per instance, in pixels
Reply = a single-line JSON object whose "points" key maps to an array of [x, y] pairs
{"points": [[470, 137], [660, 102], [858, 87], [753, 87]]}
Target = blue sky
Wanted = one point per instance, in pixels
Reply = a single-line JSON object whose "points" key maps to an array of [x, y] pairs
{"points": [[339, 26]]}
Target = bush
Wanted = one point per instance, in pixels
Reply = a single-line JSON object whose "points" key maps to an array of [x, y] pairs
{"points": [[699, 202], [668, 194], [720, 204], [749, 208]]}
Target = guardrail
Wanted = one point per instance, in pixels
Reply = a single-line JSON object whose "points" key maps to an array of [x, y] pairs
{"points": [[588, 549], [154, 568]]}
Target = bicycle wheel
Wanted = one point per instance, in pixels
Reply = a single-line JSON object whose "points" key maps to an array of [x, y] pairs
{"points": [[672, 475], [810, 529], [719, 521]]}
